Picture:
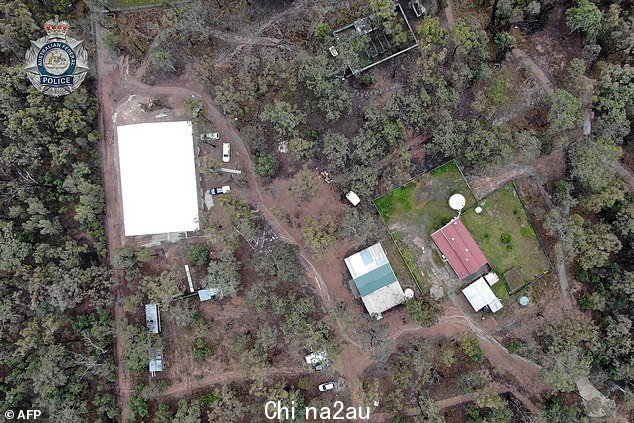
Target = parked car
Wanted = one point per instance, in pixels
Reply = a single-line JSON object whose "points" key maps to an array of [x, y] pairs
{"points": [[322, 365], [226, 152], [220, 190], [327, 386], [210, 136]]}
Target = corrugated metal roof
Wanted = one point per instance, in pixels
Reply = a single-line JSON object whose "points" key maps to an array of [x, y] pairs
{"points": [[375, 279], [460, 249], [480, 295], [152, 318], [156, 360]]}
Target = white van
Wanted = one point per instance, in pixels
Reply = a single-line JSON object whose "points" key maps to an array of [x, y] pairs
{"points": [[226, 152]]}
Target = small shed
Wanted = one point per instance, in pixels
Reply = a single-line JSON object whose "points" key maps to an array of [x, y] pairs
{"points": [[206, 294], [152, 318], [353, 198], [155, 356], [480, 295]]}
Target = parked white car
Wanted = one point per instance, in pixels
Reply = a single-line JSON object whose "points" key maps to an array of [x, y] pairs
{"points": [[327, 386], [220, 190], [210, 136], [226, 152]]}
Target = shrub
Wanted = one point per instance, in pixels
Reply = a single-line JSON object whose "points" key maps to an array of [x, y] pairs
{"points": [[323, 31], [506, 238], [201, 349], [199, 255], [367, 80], [470, 346], [423, 310]]}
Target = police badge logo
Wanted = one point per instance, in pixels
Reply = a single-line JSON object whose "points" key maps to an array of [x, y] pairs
{"points": [[56, 64]]}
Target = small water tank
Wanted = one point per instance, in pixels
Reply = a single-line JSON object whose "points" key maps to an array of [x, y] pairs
{"points": [[409, 293]]}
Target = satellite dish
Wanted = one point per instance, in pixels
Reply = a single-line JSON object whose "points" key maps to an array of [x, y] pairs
{"points": [[457, 201], [478, 210], [524, 301], [409, 293]]}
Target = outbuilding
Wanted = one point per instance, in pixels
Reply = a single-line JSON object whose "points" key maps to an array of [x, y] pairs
{"points": [[480, 295], [152, 318]]}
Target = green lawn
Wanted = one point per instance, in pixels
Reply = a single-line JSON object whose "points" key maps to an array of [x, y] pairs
{"points": [[505, 235], [423, 202]]}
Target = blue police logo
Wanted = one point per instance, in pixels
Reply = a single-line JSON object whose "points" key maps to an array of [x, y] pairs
{"points": [[56, 64]]}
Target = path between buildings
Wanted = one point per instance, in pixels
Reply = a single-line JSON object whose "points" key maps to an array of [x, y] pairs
{"points": [[177, 390]]}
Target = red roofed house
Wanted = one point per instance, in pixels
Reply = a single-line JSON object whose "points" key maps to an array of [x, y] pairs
{"points": [[460, 250]]}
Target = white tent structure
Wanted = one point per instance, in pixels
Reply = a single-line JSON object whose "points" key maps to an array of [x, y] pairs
{"points": [[158, 178], [480, 295]]}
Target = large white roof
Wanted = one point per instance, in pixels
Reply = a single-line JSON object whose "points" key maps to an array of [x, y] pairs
{"points": [[383, 299], [480, 295], [158, 178]]}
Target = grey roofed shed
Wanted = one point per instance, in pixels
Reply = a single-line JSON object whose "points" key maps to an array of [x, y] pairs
{"points": [[206, 294], [152, 318], [155, 356]]}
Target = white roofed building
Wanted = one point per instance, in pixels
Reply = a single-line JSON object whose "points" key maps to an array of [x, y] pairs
{"points": [[480, 295], [374, 278], [158, 178]]}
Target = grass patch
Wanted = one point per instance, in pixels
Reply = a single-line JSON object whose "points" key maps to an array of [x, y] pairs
{"points": [[423, 202], [501, 289], [400, 200], [504, 233], [410, 261]]}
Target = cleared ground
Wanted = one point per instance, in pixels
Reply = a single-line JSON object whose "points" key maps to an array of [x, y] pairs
{"points": [[505, 234], [417, 209]]}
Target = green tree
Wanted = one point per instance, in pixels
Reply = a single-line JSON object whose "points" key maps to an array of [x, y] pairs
{"points": [[586, 18], [139, 406], [470, 41], [304, 185], [301, 148], [161, 289], [199, 254], [135, 354], [423, 310], [431, 32], [163, 60], [225, 405], [332, 96], [280, 261], [470, 346], [565, 112], [223, 276], [319, 234], [266, 165], [336, 149], [284, 117]]}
